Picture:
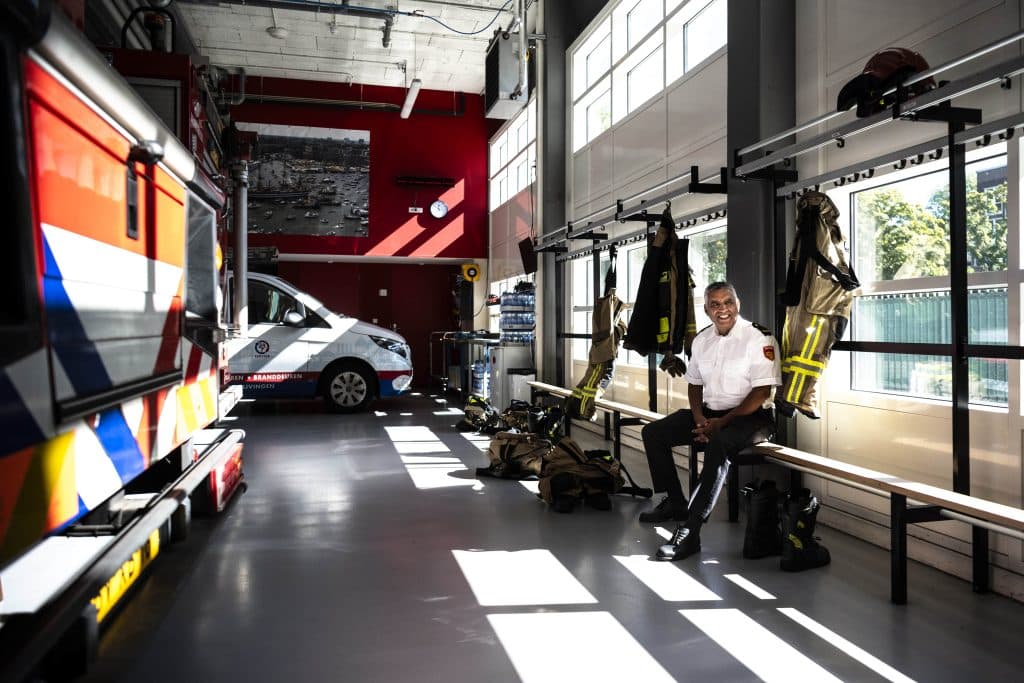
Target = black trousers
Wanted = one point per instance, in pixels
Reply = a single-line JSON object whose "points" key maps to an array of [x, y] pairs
{"points": [[677, 430]]}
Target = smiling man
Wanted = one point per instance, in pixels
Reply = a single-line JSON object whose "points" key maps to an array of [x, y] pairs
{"points": [[734, 366]]}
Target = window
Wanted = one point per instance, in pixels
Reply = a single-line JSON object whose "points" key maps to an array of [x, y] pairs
{"points": [[599, 115], [592, 115], [901, 253], [638, 77], [705, 33], [640, 19], [693, 34], [592, 59], [645, 80], [599, 61], [268, 305], [512, 156]]}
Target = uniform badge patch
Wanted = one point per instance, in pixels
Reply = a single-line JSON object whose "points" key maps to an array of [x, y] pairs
{"points": [[769, 352]]}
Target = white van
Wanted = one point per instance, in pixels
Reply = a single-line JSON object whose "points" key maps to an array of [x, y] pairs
{"points": [[296, 348]]}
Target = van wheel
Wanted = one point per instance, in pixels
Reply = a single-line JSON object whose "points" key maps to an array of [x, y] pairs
{"points": [[349, 389]]}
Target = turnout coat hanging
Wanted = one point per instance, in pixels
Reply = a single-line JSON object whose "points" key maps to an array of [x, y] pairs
{"points": [[818, 297], [663, 318], [608, 330]]}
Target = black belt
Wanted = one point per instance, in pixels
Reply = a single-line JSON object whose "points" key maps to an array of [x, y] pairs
{"points": [[711, 412]]}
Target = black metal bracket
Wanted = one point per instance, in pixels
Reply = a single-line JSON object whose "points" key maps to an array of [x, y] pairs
{"points": [[697, 187], [642, 217], [552, 248], [590, 235], [943, 112], [779, 175], [920, 514], [630, 421]]}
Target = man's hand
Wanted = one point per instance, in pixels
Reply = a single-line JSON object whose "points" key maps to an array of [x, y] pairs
{"points": [[707, 429]]}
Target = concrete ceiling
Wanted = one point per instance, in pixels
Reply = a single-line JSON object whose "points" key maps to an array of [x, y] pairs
{"points": [[325, 45]]}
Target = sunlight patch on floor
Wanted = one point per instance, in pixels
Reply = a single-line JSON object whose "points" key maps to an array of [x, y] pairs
{"points": [[750, 587], [574, 646], [840, 643], [521, 577], [666, 579], [769, 657]]}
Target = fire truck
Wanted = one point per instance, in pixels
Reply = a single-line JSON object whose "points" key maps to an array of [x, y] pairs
{"points": [[111, 344]]}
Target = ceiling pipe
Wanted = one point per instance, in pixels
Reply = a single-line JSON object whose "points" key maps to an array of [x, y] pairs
{"points": [[410, 98], [522, 87], [387, 16]]}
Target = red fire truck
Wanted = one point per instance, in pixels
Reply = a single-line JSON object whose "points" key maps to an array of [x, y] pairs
{"points": [[110, 342]]}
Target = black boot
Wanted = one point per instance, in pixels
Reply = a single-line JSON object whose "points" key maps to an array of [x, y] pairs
{"points": [[800, 549], [763, 536], [565, 491]]}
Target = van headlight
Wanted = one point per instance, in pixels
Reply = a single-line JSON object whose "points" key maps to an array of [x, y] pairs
{"points": [[392, 345]]}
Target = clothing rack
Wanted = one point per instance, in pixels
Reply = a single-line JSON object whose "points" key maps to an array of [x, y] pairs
{"points": [[933, 106]]}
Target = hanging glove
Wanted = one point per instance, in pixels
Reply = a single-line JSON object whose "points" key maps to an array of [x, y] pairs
{"points": [[673, 365]]}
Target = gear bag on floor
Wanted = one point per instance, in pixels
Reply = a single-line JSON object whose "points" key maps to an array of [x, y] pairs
{"points": [[578, 473], [515, 456]]}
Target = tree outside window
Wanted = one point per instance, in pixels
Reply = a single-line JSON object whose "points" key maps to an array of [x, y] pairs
{"points": [[901, 232]]}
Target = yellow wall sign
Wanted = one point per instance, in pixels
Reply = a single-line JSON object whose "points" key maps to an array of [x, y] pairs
{"points": [[126, 575]]}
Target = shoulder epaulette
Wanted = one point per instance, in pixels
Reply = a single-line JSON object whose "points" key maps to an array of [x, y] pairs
{"points": [[764, 330]]}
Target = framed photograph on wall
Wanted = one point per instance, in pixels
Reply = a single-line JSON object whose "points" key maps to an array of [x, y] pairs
{"points": [[306, 180]]}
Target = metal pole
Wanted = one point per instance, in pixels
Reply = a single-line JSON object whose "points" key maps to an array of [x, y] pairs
{"points": [[958, 308], [240, 265]]}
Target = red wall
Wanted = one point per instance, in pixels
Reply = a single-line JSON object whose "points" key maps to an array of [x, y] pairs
{"points": [[419, 299], [446, 136]]}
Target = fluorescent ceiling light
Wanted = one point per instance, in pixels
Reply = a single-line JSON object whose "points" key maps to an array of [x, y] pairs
{"points": [[410, 97]]}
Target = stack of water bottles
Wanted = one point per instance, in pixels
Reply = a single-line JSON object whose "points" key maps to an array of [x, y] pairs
{"points": [[518, 319]]}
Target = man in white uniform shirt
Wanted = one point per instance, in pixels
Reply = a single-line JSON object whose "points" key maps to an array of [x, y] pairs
{"points": [[734, 366]]}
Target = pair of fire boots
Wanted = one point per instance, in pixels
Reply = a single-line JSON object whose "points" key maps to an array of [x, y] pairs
{"points": [[790, 534]]}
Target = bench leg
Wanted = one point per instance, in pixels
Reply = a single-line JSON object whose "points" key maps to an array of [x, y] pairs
{"points": [[979, 555], [733, 492], [898, 549], [607, 427], [617, 433]]}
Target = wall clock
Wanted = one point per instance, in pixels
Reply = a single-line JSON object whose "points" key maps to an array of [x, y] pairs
{"points": [[439, 209]]}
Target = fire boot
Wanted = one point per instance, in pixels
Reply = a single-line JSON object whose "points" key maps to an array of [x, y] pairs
{"points": [[800, 549], [763, 536]]}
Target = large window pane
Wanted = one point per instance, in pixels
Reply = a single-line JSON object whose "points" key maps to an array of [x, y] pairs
{"points": [[599, 61], [645, 80], [924, 317], [641, 18], [599, 115], [588, 56], [707, 257], [705, 33], [902, 229], [930, 376]]}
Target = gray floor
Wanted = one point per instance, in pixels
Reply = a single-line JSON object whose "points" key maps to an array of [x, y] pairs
{"points": [[337, 564]]}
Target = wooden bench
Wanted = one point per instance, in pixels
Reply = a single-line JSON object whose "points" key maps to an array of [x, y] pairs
{"points": [[624, 415], [931, 503]]}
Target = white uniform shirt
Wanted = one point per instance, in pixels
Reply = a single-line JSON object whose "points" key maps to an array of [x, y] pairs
{"points": [[730, 366]]}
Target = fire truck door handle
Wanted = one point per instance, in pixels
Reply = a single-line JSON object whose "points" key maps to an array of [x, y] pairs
{"points": [[148, 152], [132, 196]]}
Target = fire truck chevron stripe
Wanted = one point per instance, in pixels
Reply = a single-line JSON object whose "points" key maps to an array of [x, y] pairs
{"points": [[120, 444], [81, 362]]}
